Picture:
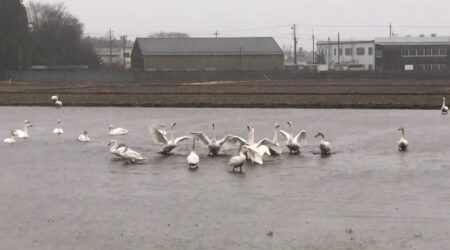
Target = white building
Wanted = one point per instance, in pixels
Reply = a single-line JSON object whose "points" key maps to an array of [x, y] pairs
{"points": [[347, 55], [115, 56]]}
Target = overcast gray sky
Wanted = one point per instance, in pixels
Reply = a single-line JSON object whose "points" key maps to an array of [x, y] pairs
{"points": [[263, 17]]}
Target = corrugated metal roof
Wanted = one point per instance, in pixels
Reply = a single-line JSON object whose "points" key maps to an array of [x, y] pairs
{"points": [[439, 40], [344, 42], [209, 46]]}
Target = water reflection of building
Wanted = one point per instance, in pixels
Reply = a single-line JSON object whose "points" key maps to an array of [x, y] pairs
{"points": [[412, 53]]}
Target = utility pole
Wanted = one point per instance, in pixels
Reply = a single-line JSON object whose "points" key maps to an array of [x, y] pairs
{"points": [[329, 53], [390, 29], [110, 46], [216, 34], [294, 28], [124, 39], [314, 53], [339, 48]]}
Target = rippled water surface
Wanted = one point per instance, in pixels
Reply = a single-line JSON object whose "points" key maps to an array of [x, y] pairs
{"points": [[57, 193]]}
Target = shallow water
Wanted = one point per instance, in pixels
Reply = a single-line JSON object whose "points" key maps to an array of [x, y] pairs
{"points": [[57, 193]]}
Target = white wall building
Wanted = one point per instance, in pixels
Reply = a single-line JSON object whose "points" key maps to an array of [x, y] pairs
{"points": [[115, 56], [348, 55]]}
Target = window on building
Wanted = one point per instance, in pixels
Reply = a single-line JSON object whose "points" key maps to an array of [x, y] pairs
{"points": [[435, 52], [370, 67], [443, 67], [419, 67], [348, 51], [434, 67], [334, 51], [360, 51], [412, 52], [370, 51], [379, 53], [428, 52], [405, 52], [427, 67], [443, 52], [420, 52], [340, 51]]}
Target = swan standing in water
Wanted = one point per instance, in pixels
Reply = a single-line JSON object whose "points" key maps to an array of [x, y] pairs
{"points": [[23, 134], [294, 143], [56, 101], [193, 159], [213, 144], [325, 147], [168, 143], [117, 131], [444, 107], [116, 148], [238, 161], [84, 137], [58, 130], [402, 143], [10, 140]]}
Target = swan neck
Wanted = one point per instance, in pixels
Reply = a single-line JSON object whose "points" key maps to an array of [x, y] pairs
{"points": [[275, 135], [214, 133]]}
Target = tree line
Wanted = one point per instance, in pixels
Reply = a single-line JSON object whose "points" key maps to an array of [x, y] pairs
{"points": [[42, 34]]}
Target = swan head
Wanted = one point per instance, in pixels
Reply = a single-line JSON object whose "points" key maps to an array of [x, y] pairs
{"points": [[111, 127], [111, 142], [289, 123], [12, 133], [248, 128], [59, 121], [213, 125], [54, 98], [443, 98], [28, 124], [85, 132], [173, 125], [277, 126], [402, 129], [319, 134]]}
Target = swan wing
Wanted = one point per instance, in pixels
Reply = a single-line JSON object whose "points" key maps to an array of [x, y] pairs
{"points": [[236, 140], [202, 137], [224, 140], [275, 147], [131, 155], [285, 134], [181, 139], [256, 153], [300, 138], [18, 132], [158, 136]]}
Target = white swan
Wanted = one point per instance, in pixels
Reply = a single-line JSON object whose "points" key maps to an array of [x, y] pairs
{"points": [[294, 143], [84, 137], [10, 140], [58, 130], [168, 143], [23, 134], [256, 153], [117, 131], [325, 147], [250, 142], [402, 143], [238, 161], [131, 156], [213, 144], [56, 101], [444, 107], [193, 159], [116, 148]]}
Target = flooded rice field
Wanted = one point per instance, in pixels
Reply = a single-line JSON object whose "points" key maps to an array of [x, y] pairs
{"points": [[58, 193]]}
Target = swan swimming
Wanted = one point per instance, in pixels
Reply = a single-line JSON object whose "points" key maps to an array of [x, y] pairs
{"points": [[84, 137], [444, 107], [213, 144], [117, 131], [325, 147], [238, 161], [193, 159], [23, 134], [168, 143], [116, 148], [58, 130], [10, 140], [56, 101], [402, 143], [294, 143]]}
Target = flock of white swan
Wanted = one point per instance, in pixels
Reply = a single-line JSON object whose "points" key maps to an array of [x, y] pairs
{"points": [[249, 149]]}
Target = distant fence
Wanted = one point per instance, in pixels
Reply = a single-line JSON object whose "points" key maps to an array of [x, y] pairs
{"points": [[109, 77]]}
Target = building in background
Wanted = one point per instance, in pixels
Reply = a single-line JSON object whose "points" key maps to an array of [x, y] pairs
{"points": [[412, 53], [207, 54], [116, 56], [347, 55]]}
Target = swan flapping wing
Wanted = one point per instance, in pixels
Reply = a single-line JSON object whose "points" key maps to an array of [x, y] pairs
{"points": [[285, 134], [202, 137], [256, 153], [181, 139], [158, 136], [275, 147], [300, 138], [237, 140], [224, 140]]}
